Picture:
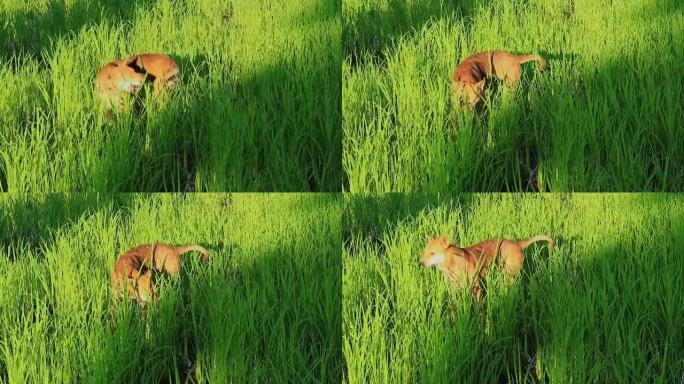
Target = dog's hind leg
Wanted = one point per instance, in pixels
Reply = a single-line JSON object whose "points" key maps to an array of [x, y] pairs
{"points": [[512, 76]]}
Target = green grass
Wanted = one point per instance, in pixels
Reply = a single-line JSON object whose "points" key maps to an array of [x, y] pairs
{"points": [[605, 307], [258, 108], [605, 116], [267, 308]]}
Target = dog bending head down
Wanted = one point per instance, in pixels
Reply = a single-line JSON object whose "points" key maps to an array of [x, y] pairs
{"points": [[118, 78], [142, 289], [133, 272], [466, 267], [468, 79], [115, 81]]}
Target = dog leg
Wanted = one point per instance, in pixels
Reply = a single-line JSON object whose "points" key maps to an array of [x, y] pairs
{"points": [[477, 291], [476, 92], [512, 76]]}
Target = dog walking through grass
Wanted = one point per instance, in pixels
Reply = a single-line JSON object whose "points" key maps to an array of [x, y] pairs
{"points": [[133, 271], [467, 267], [119, 78], [468, 79]]}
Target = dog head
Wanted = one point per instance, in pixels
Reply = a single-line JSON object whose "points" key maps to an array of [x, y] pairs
{"points": [[127, 79], [434, 252], [129, 76], [146, 291], [467, 93]]}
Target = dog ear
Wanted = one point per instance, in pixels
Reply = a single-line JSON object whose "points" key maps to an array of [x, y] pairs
{"points": [[443, 241], [127, 61], [134, 62], [139, 62]]}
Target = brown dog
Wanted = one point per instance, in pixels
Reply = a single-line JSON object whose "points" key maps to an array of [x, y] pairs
{"points": [[468, 266], [118, 78], [133, 270], [160, 69], [468, 79]]}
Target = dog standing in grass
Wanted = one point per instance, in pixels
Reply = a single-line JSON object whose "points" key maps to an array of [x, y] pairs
{"points": [[119, 78], [133, 271], [468, 79], [467, 267]]}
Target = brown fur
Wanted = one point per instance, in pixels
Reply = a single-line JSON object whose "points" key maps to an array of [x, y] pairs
{"points": [[114, 81], [161, 69], [469, 266], [144, 289], [133, 270], [468, 79], [121, 77]]}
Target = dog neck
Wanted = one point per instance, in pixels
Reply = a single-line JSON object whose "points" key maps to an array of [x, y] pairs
{"points": [[455, 259], [453, 250]]}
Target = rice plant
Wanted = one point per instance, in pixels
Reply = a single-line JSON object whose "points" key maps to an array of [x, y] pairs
{"points": [[604, 307], [604, 116], [257, 108], [266, 308]]}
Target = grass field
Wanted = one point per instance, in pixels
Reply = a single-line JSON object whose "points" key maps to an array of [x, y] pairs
{"points": [[605, 307], [605, 116], [258, 108], [266, 309]]}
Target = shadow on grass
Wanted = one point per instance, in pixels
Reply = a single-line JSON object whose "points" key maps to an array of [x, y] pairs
{"points": [[30, 221], [266, 314], [277, 129], [152, 146], [291, 328], [368, 32], [32, 31], [635, 148], [262, 310], [267, 132], [601, 129], [624, 142], [376, 215]]}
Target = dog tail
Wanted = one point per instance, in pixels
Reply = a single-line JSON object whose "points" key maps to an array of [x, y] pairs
{"points": [[533, 57], [188, 248], [526, 243]]}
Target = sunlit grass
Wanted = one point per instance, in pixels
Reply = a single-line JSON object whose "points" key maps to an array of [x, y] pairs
{"points": [[603, 117], [267, 308], [258, 107], [605, 307]]}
